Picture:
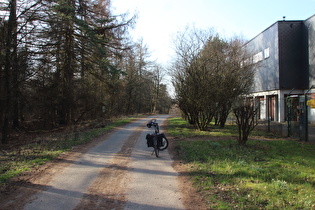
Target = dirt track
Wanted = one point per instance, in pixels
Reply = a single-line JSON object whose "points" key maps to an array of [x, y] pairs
{"points": [[115, 171]]}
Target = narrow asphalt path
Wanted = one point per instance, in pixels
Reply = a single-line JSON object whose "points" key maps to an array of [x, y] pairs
{"points": [[118, 173]]}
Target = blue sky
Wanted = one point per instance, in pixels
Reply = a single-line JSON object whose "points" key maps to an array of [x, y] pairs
{"points": [[159, 20]]}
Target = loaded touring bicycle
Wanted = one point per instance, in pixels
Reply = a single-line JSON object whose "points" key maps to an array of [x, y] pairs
{"points": [[156, 140]]}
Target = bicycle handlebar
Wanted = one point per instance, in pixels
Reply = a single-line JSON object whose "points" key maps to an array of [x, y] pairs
{"points": [[154, 124]]}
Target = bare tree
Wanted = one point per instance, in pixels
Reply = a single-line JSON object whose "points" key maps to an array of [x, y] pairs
{"points": [[158, 74], [209, 75], [245, 113], [143, 82], [235, 78], [191, 78]]}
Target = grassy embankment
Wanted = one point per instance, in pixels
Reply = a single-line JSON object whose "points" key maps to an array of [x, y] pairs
{"points": [[265, 174], [16, 160]]}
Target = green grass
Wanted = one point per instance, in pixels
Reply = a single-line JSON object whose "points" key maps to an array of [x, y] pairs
{"points": [[180, 128], [16, 161], [274, 174]]}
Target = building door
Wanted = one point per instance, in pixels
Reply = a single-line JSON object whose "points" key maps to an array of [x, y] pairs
{"points": [[259, 103], [272, 107]]}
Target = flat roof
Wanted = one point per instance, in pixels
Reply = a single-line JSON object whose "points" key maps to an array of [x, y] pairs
{"points": [[280, 21]]}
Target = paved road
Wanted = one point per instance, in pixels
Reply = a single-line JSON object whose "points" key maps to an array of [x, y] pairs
{"points": [[152, 183]]}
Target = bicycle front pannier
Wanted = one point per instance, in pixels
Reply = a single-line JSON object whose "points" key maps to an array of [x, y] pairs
{"points": [[149, 140]]}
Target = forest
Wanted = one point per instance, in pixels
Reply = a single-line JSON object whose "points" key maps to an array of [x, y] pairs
{"points": [[63, 62]]}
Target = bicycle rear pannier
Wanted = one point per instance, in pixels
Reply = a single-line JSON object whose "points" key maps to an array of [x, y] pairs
{"points": [[160, 139], [149, 138]]}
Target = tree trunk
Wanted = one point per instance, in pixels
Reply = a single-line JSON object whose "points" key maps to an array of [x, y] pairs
{"points": [[15, 78], [2, 53], [10, 54], [66, 108]]}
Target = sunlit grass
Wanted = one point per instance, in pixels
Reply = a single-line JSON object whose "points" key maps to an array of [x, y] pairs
{"points": [[274, 174], [180, 128]]}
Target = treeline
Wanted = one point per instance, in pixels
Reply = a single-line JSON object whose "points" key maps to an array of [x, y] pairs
{"points": [[210, 76], [66, 61]]}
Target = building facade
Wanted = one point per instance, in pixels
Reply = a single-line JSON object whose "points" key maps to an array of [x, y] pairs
{"points": [[284, 63]]}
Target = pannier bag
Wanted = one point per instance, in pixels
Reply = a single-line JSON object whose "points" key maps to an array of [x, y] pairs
{"points": [[150, 137]]}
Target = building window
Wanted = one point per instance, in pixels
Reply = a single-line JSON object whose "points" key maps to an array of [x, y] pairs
{"points": [[266, 53], [258, 57]]}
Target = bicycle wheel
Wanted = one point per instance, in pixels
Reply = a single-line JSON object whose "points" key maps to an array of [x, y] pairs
{"points": [[155, 146], [164, 143]]}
